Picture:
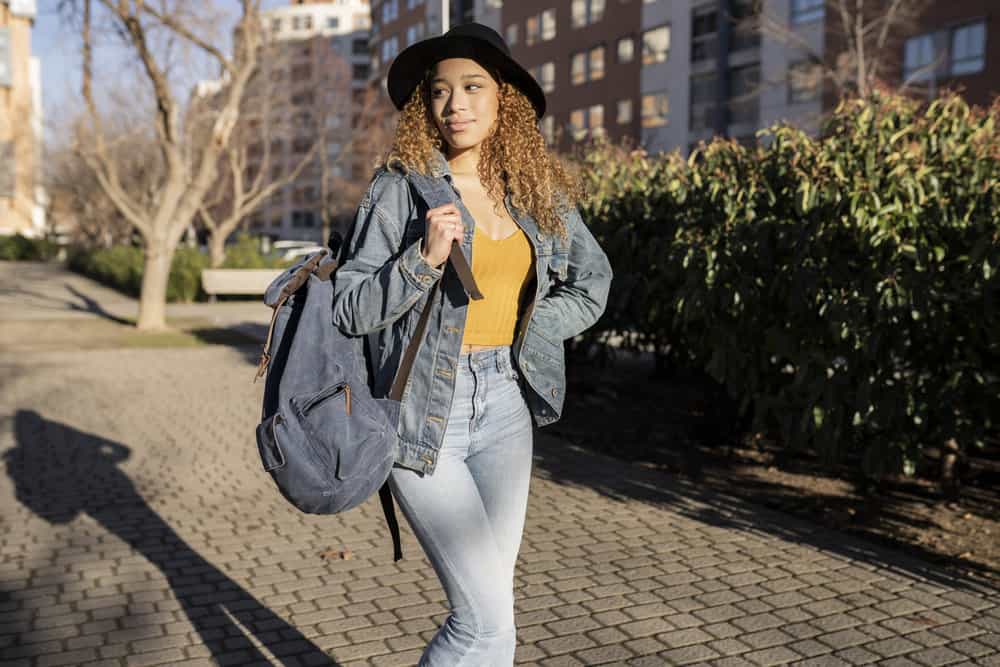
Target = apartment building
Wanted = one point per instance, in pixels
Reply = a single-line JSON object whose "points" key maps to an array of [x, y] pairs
{"points": [[22, 198], [311, 85], [670, 73], [397, 24]]}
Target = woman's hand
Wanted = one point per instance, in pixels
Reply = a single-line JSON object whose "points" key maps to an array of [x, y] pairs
{"points": [[444, 225]]}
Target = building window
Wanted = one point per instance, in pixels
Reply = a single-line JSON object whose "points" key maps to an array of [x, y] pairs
{"points": [[390, 47], [704, 34], [390, 11], [804, 11], [359, 47], [302, 72], [548, 77], [578, 69], [414, 33], [596, 10], [360, 71], [624, 112], [744, 91], [968, 49], [276, 25], [303, 98], [626, 50], [585, 12], [548, 24], [702, 101], [532, 30], [655, 45], [512, 34], [746, 25], [413, 4], [595, 120], [918, 56], [579, 14], [332, 22], [578, 124], [804, 80], [597, 63], [303, 219], [655, 108], [584, 121], [547, 129], [587, 65]]}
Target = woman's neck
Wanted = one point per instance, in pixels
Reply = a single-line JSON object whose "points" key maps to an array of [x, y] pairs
{"points": [[464, 162]]}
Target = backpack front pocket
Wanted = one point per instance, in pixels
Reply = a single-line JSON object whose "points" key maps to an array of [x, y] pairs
{"points": [[337, 431]]}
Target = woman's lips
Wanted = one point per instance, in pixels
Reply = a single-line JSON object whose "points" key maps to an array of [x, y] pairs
{"points": [[459, 127]]}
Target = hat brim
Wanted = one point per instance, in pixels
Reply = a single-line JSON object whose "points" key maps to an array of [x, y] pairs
{"points": [[407, 70]]}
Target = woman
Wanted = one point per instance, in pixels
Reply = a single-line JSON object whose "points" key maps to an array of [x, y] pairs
{"points": [[486, 367]]}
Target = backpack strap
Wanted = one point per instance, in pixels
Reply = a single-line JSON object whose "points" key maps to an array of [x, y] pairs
{"points": [[296, 281]]}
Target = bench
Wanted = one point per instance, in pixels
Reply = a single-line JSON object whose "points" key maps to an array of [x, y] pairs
{"points": [[237, 281]]}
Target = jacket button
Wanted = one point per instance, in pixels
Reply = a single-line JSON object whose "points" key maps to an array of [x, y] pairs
{"points": [[555, 392], [540, 236]]}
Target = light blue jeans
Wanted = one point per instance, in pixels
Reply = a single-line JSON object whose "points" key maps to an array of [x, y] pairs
{"points": [[469, 515]]}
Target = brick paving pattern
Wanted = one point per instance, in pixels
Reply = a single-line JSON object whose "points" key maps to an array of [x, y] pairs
{"points": [[138, 529]]}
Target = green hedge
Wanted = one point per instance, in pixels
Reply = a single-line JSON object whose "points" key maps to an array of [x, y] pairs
{"points": [[844, 289], [121, 267], [19, 248]]}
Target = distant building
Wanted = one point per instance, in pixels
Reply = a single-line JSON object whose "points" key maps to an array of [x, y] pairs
{"points": [[668, 73], [305, 42], [22, 197]]}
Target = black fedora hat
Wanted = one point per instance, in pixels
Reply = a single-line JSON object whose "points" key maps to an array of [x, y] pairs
{"points": [[469, 40]]}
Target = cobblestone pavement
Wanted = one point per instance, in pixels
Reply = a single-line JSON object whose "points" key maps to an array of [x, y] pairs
{"points": [[136, 528]]}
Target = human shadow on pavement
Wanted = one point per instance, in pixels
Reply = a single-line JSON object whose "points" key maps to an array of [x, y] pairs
{"points": [[565, 463], [60, 472]]}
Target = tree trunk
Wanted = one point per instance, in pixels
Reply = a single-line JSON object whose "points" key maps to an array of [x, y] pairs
{"points": [[155, 274], [216, 249]]}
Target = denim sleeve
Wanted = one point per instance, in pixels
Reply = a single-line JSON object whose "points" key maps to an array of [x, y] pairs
{"points": [[573, 305], [379, 280]]}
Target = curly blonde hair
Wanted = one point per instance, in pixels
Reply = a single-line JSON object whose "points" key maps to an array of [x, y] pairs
{"points": [[512, 159]]}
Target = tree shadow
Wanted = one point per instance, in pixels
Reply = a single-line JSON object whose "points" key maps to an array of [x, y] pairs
{"points": [[565, 463], [60, 472], [246, 337], [91, 305]]}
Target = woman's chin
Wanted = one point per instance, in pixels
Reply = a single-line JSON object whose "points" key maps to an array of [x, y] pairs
{"points": [[460, 142]]}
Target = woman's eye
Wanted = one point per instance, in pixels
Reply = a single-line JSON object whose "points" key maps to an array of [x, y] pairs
{"points": [[473, 85], [437, 92]]}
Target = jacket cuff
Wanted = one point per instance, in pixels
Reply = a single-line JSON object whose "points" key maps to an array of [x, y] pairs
{"points": [[416, 269]]}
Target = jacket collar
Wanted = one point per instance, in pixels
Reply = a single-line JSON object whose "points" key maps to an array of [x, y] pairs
{"points": [[439, 165]]}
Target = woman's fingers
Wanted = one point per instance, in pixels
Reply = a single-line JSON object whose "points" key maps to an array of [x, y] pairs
{"points": [[444, 225]]}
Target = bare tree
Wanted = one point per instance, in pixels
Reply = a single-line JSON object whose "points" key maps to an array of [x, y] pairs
{"points": [[861, 45], [188, 169], [345, 167], [249, 174]]}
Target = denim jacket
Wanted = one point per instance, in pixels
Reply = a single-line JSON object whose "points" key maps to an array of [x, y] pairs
{"points": [[382, 286]]}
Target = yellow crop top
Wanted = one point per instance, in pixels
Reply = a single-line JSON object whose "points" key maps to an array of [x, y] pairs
{"points": [[502, 270]]}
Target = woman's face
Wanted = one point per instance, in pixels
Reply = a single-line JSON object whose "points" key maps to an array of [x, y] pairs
{"points": [[464, 102]]}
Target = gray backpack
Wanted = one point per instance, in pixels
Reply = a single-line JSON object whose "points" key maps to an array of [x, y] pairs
{"points": [[324, 439]]}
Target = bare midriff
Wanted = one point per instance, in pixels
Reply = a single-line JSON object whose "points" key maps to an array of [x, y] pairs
{"points": [[466, 349]]}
